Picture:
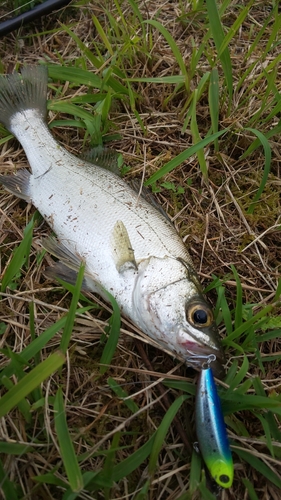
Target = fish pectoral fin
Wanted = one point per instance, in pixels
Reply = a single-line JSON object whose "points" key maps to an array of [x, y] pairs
{"points": [[18, 184], [122, 249]]}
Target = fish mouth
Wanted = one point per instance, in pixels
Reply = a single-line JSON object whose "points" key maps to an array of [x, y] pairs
{"points": [[197, 355]]}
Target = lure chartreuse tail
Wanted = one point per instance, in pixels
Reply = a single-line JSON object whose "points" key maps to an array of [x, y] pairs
{"points": [[211, 430]]}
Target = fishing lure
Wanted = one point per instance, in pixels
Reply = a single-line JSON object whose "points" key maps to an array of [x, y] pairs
{"points": [[211, 430]]}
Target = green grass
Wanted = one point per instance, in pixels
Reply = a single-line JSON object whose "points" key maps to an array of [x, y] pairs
{"points": [[210, 78]]}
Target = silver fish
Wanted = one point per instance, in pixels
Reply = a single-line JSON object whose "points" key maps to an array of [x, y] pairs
{"points": [[129, 247]]}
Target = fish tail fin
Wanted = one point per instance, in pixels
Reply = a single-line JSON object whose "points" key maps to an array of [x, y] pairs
{"points": [[21, 91]]}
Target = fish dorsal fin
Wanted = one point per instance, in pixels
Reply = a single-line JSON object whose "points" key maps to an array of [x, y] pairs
{"points": [[122, 249], [147, 194], [103, 157], [18, 184], [108, 159]]}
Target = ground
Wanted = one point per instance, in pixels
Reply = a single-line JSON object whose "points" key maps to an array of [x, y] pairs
{"points": [[225, 203]]}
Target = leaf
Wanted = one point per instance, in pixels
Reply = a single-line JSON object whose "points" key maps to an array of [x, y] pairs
{"points": [[162, 431], [173, 46], [39, 343], [214, 104], [122, 394], [20, 256], [113, 337], [67, 451], [132, 462], [67, 331], [259, 466], [7, 486], [14, 448], [184, 155], [27, 384], [240, 375], [267, 154], [219, 37]]}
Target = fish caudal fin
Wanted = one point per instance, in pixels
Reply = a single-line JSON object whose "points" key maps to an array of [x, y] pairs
{"points": [[19, 92]]}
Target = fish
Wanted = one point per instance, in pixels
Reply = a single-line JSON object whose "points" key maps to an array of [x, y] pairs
{"points": [[128, 246], [211, 430]]}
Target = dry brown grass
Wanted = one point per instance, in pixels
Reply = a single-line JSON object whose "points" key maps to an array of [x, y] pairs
{"points": [[212, 220]]}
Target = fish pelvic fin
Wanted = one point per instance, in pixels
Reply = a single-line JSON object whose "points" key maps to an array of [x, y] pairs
{"points": [[122, 249], [21, 91], [18, 184]]}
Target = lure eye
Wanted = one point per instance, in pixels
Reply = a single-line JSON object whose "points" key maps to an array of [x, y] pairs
{"points": [[199, 315]]}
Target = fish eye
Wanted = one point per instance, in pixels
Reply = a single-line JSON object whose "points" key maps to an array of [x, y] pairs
{"points": [[199, 315]]}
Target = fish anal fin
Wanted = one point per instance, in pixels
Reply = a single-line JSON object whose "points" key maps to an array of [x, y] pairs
{"points": [[18, 184], [61, 271], [62, 252], [68, 266], [122, 249]]}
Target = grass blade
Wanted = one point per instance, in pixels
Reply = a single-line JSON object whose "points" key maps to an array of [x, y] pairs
{"points": [[195, 471], [20, 256], [219, 37], [267, 154], [260, 466], [173, 47], [31, 381], [235, 27], [240, 375], [162, 431], [113, 336], [7, 486], [238, 305], [39, 343], [180, 158], [68, 455], [67, 331], [197, 139], [250, 489], [14, 448], [131, 463], [122, 394], [214, 103]]}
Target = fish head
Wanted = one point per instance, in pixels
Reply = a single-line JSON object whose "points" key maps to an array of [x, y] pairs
{"points": [[172, 310]]}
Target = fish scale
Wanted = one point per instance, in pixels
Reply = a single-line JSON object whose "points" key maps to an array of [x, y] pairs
{"points": [[128, 246]]}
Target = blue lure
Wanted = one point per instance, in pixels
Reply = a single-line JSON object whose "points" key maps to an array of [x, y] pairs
{"points": [[211, 430]]}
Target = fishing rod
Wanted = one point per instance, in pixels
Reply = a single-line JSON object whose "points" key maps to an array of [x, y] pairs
{"points": [[38, 11]]}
